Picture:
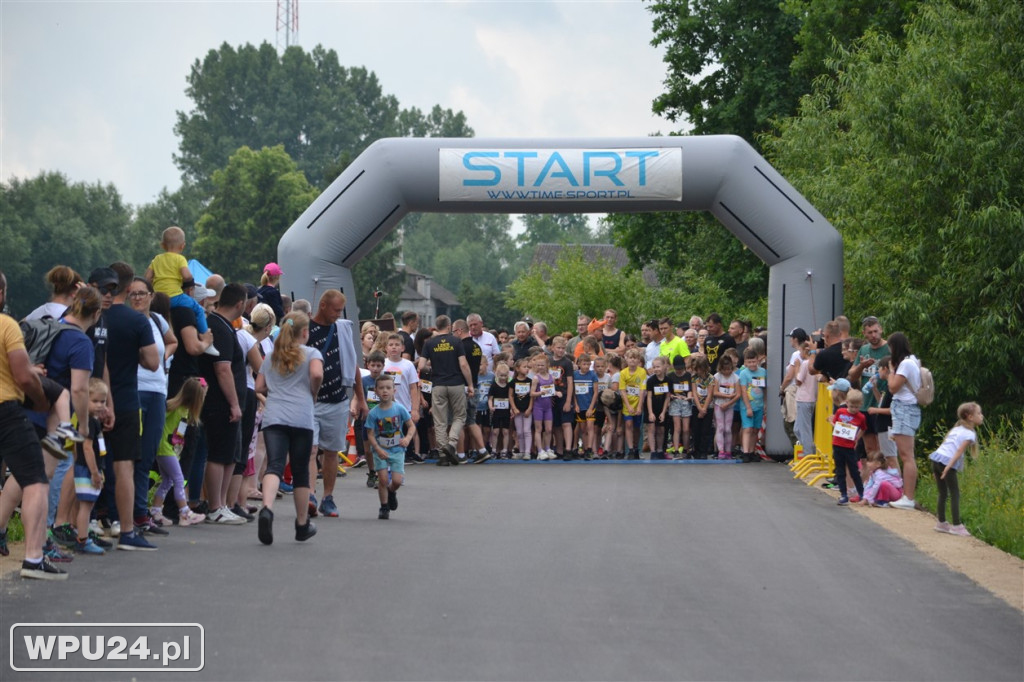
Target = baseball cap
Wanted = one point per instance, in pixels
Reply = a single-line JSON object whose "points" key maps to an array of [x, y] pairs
{"points": [[799, 334], [201, 293], [103, 278], [273, 269], [251, 291], [841, 385]]}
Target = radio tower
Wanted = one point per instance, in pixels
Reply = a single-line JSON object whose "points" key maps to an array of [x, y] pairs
{"points": [[287, 24]]}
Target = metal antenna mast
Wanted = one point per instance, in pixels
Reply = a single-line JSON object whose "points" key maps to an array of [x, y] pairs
{"points": [[287, 24]]}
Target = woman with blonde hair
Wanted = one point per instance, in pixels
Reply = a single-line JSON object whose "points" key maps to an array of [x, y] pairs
{"points": [[62, 282], [368, 335], [290, 379], [269, 291]]}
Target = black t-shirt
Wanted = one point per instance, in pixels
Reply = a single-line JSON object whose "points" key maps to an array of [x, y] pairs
{"points": [[566, 367], [679, 383], [410, 346], [183, 365], [332, 390], [473, 356], [127, 332], [98, 335], [95, 432], [444, 352], [500, 393], [521, 396], [272, 297], [714, 346], [226, 342], [658, 389], [831, 362]]}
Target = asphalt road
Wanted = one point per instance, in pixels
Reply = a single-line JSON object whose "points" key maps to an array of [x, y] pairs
{"points": [[551, 571]]}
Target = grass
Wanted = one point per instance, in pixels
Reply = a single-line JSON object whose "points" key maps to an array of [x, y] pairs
{"points": [[991, 488]]}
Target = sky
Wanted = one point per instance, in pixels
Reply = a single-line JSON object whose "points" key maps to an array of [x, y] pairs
{"points": [[91, 88]]}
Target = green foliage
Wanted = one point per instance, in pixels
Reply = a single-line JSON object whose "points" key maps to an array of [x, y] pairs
{"points": [[913, 152], [255, 199], [991, 488], [558, 295], [317, 109], [47, 220], [489, 303], [728, 64], [183, 208], [558, 228]]}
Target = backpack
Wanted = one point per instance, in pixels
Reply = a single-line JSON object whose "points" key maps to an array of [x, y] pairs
{"points": [[40, 336], [925, 393]]}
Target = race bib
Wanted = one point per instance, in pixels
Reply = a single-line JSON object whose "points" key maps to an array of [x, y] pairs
{"points": [[844, 431], [483, 388], [102, 443], [396, 376], [758, 382], [425, 386], [702, 392], [681, 388], [661, 389], [500, 404], [582, 389], [633, 390], [547, 391], [556, 372], [522, 389], [726, 390], [181, 428], [372, 397], [390, 442]]}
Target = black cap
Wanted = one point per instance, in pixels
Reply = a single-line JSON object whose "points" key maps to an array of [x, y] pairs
{"points": [[103, 278], [251, 291], [799, 334]]}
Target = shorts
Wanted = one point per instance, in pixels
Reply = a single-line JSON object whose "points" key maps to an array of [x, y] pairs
{"points": [[51, 389], [19, 447], [872, 420], [542, 410], [560, 416], [395, 461], [483, 419], [501, 419], [628, 419], [470, 412], [83, 484], [330, 425], [906, 418], [753, 422], [124, 441], [582, 418], [223, 438], [680, 408], [658, 420]]}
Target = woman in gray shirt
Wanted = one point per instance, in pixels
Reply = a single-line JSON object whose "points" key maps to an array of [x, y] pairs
{"points": [[290, 377]]}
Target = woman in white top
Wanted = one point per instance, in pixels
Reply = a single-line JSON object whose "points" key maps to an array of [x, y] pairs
{"points": [[290, 378], [904, 381], [63, 283]]}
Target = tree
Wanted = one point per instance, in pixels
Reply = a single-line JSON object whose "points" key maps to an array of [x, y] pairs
{"points": [[255, 199], [558, 295], [46, 221], [913, 152], [554, 228], [317, 109], [183, 208]]}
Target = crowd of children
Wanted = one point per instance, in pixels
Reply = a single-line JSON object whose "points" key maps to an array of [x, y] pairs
{"points": [[686, 391]]}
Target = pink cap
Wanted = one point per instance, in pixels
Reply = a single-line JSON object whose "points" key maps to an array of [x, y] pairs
{"points": [[273, 269]]}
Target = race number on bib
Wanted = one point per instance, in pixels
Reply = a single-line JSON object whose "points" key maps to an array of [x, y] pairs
{"points": [[500, 404], [726, 390], [758, 382], [522, 389], [556, 373], [681, 388], [660, 390], [371, 396], [425, 386], [547, 391], [391, 442], [633, 390], [582, 388], [844, 431]]}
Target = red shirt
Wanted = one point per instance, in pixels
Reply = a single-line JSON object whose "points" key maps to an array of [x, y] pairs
{"points": [[844, 424]]}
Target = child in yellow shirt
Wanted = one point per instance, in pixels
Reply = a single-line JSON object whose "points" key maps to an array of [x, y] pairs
{"points": [[169, 270]]}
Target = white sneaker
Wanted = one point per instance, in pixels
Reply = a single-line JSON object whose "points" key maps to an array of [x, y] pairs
{"points": [[95, 527], [224, 517], [903, 503], [517, 455], [210, 350], [115, 529]]}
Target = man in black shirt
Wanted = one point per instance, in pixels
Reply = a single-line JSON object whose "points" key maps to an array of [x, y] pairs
{"points": [[474, 444], [452, 385], [222, 411], [410, 323], [830, 361], [717, 341]]}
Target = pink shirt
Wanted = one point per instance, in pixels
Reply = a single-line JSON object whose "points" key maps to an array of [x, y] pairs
{"points": [[807, 384]]}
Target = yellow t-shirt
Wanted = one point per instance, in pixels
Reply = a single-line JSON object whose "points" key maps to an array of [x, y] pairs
{"points": [[11, 339], [633, 385], [167, 272], [676, 347]]}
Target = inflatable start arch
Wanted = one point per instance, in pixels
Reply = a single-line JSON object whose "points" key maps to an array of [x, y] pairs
{"points": [[719, 173]]}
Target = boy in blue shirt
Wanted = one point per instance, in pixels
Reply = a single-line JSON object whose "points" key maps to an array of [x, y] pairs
{"points": [[374, 367], [752, 385], [384, 428], [584, 380]]}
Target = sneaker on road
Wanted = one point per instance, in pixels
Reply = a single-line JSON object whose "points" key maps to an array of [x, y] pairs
{"points": [[843, 501], [312, 505], [44, 570], [903, 503], [134, 542], [392, 500], [88, 547], [328, 508], [453, 458], [190, 518], [265, 530], [384, 513], [224, 517], [242, 513]]}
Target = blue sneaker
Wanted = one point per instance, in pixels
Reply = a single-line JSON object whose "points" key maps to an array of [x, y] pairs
{"points": [[312, 505], [843, 501], [134, 542], [285, 487], [52, 552], [328, 508], [87, 547], [3, 543]]}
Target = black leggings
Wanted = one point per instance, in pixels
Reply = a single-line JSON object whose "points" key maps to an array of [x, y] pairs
{"points": [[950, 486], [285, 443]]}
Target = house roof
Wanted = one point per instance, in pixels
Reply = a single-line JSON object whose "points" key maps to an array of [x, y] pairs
{"points": [[437, 292], [547, 254]]}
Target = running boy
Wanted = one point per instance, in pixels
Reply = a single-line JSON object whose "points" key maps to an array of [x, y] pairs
{"points": [[374, 368], [384, 427]]}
